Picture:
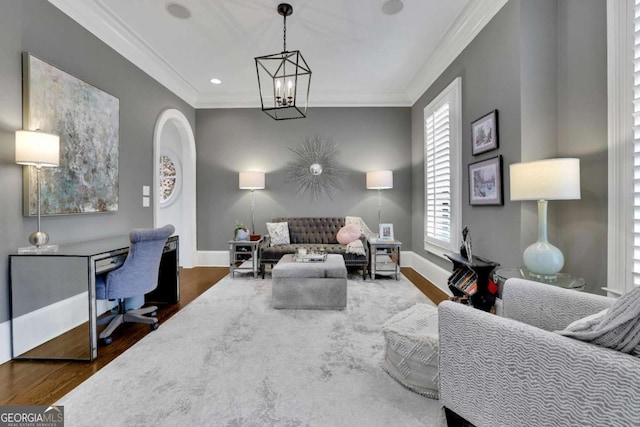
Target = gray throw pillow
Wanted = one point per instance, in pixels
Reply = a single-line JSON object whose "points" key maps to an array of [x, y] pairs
{"points": [[617, 327], [278, 233]]}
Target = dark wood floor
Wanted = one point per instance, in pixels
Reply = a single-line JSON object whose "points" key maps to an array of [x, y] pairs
{"points": [[44, 382]]}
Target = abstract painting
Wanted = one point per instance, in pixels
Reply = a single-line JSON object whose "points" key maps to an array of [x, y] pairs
{"points": [[87, 120]]}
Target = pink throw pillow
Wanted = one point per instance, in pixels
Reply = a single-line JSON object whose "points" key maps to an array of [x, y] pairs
{"points": [[349, 233]]}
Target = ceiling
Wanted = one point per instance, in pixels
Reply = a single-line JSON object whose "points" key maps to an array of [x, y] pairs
{"points": [[359, 55]]}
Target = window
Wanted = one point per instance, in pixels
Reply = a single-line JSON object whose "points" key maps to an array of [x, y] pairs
{"points": [[636, 145], [169, 177], [623, 70], [442, 171]]}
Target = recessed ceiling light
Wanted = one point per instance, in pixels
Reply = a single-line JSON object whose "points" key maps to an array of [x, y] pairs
{"points": [[216, 81], [391, 7], [178, 11]]}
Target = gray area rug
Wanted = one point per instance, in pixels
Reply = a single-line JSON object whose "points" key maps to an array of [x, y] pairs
{"points": [[229, 359]]}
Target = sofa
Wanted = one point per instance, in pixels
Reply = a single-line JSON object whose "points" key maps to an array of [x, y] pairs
{"points": [[512, 370], [313, 233]]}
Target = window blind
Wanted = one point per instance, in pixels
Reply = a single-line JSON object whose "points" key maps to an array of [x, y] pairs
{"points": [[636, 144], [438, 177]]}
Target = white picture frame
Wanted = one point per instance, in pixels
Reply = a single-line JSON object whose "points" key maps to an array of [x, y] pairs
{"points": [[386, 232]]}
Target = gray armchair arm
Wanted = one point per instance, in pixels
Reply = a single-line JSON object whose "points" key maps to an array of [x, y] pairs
{"points": [[495, 372], [365, 244], [546, 306]]}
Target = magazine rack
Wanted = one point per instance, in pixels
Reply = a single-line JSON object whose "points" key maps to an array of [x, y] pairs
{"points": [[471, 279]]}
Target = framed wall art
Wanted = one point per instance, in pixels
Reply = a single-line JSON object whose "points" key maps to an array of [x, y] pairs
{"points": [[485, 182], [315, 167], [484, 133], [87, 120]]}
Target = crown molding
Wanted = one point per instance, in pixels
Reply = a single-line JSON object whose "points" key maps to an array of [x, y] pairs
{"points": [[384, 99], [94, 17], [466, 27]]}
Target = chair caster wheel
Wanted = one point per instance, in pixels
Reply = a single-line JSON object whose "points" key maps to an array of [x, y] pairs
{"points": [[153, 314], [154, 326], [106, 341]]}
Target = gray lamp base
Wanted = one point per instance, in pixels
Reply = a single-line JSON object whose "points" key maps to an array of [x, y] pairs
{"points": [[39, 238]]}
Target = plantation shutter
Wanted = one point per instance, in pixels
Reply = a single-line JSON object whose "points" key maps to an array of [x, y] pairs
{"points": [[438, 177], [636, 145]]}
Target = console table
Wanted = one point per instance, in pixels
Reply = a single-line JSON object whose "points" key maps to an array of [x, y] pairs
{"points": [[53, 298]]}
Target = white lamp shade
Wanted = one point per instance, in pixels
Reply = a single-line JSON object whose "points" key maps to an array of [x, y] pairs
{"points": [[37, 148], [552, 179], [251, 180], [379, 180]]}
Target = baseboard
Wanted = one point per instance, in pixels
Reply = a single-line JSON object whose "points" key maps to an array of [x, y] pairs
{"points": [[47, 323], [5, 341], [430, 271], [212, 259], [53, 320], [221, 258]]}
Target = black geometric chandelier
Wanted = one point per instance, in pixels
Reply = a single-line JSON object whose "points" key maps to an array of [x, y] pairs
{"points": [[284, 79]]}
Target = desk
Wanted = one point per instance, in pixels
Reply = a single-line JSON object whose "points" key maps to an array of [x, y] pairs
{"points": [[53, 296]]}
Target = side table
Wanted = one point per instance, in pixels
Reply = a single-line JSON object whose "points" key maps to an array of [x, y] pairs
{"points": [[244, 256], [384, 257], [471, 279], [563, 280]]}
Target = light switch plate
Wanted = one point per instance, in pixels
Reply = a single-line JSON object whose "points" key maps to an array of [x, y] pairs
{"points": [[146, 190], [145, 202]]}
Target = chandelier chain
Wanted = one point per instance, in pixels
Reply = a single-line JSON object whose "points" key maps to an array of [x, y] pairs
{"points": [[284, 34]]}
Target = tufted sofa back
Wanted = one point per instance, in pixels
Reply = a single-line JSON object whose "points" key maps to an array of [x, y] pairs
{"points": [[313, 230]]}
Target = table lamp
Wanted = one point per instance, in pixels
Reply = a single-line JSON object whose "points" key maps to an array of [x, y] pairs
{"points": [[39, 149], [379, 180], [544, 180], [252, 181]]}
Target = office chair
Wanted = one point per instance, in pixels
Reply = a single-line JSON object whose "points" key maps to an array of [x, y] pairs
{"points": [[137, 276]]}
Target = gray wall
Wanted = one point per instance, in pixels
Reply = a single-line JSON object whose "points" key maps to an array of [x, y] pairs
{"points": [[234, 140], [38, 27], [542, 64], [490, 71], [582, 132]]}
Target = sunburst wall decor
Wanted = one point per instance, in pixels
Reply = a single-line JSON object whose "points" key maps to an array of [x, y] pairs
{"points": [[315, 167]]}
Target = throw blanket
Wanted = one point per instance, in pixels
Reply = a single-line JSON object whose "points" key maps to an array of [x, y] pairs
{"points": [[360, 223], [357, 247], [618, 327]]}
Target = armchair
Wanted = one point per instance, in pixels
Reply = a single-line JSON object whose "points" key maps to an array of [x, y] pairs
{"points": [[137, 276], [512, 370]]}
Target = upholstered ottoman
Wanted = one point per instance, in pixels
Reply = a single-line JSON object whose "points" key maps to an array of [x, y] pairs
{"points": [[310, 285], [411, 349]]}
